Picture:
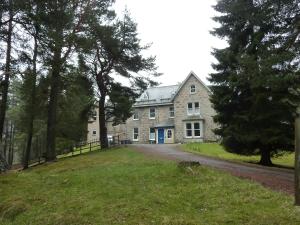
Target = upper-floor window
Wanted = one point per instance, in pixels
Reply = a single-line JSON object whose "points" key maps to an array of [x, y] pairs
{"points": [[94, 115], [190, 108], [94, 132], [193, 108], [172, 112], [135, 115], [193, 89], [152, 113]]}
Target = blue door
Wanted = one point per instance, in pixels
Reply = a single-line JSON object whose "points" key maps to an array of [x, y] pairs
{"points": [[161, 136]]}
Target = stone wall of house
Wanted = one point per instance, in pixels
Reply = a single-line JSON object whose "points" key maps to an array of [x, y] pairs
{"points": [[144, 123], [206, 111], [93, 125]]}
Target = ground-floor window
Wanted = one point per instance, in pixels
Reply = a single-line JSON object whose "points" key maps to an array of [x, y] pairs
{"points": [[188, 130], [169, 134], [193, 129], [135, 134], [152, 134]]}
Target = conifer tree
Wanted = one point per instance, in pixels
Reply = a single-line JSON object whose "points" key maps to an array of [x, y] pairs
{"points": [[114, 49], [254, 76]]}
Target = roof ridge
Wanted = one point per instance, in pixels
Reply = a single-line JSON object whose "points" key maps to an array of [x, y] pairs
{"points": [[164, 86]]}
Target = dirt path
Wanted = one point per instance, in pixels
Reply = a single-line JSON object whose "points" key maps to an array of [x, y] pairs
{"points": [[274, 178]]}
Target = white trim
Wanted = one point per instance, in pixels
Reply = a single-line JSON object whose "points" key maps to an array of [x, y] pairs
{"points": [[152, 133], [167, 134], [200, 129], [152, 118], [138, 117], [186, 79], [171, 111], [193, 130], [138, 133], [194, 92], [185, 130], [193, 109]]}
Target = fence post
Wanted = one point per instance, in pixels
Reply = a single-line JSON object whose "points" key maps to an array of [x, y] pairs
{"points": [[90, 146], [80, 148]]}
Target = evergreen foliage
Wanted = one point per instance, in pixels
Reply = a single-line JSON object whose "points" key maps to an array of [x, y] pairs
{"points": [[257, 76]]}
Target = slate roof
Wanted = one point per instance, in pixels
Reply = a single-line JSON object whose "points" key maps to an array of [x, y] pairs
{"points": [[157, 96]]}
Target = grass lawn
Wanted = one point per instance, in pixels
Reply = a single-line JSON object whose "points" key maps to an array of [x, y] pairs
{"points": [[124, 187], [216, 150]]}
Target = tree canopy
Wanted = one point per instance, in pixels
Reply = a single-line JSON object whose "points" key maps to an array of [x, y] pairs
{"points": [[257, 75]]}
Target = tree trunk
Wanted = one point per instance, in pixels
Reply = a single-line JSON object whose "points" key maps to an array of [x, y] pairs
{"points": [[5, 83], [53, 103], [297, 159], [265, 157], [102, 123], [31, 108]]}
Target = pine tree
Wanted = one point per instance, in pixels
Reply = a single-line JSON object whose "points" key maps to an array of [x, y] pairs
{"points": [[251, 88], [114, 49]]}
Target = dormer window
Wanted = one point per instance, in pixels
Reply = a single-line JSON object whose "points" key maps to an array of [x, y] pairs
{"points": [[135, 115], [193, 89]]}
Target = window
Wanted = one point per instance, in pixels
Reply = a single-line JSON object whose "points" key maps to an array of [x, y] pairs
{"points": [[172, 113], [197, 131], [94, 115], [135, 134], [135, 116], [152, 113], [94, 132], [190, 108], [197, 108], [193, 89], [193, 108], [188, 128], [193, 130], [169, 134], [152, 134]]}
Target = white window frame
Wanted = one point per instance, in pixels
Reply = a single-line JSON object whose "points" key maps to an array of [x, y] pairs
{"points": [[196, 110], [193, 89], [169, 130], [185, 130], [200, 130], [193, 129], [190, 111], [193, 110], [151, 117], [153, 139], [94, 115], [134, 114], [171, 111], [135, 139]]}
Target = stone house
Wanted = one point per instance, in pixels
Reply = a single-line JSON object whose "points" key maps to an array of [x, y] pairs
{"points": [[169, 114]]}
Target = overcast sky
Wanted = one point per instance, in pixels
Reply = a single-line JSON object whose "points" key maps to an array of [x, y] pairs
{"points": [[179, 31]]}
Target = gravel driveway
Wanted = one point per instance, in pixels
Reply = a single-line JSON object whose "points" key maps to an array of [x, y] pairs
{"points": [[274, 178]]}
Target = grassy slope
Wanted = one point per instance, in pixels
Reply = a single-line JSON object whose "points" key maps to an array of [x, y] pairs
{"points": [[215, 150], [124, 187]]}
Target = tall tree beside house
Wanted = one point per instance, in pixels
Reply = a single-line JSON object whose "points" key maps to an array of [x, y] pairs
{"points": [[114, 49], [254, 76], [61, 21]]}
